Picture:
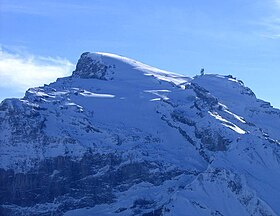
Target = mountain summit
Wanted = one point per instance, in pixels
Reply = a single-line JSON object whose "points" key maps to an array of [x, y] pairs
{"points": [[119, 137]]}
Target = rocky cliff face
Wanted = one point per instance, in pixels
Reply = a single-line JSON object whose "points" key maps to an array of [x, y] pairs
{"points": [[119, 137]]}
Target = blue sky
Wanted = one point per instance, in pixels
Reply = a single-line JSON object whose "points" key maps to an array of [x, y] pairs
{"points": [[42, 40]]}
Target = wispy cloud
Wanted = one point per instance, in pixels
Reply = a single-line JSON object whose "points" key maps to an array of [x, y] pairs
{"points": [[277, 2], [19, 72], [272, 23]]}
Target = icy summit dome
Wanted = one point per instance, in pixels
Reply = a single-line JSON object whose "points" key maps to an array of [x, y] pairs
{"points": [[108, 66]]}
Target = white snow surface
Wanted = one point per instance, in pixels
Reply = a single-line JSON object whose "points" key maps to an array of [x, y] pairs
{"points": [[211, 125]]}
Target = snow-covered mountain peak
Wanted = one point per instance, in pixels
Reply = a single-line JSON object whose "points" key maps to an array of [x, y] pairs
{"points": [[107, 66], [119, 137]]}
